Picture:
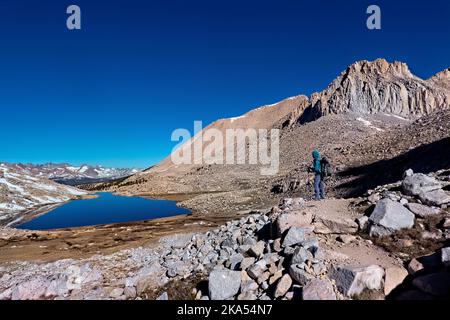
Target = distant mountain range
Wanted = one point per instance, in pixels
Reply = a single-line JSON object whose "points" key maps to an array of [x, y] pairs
{"points": [[21, 191], [69, 174]]}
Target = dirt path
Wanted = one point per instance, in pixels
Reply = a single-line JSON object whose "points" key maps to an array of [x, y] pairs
{"points": [[359, 252]]}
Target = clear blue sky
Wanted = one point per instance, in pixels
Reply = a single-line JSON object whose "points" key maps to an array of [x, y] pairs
{"points": [[113, 92]]}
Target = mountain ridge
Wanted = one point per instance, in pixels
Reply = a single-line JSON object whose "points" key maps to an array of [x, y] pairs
{"points": [[21, 192], [302, 109], [370, 87], [69, 174]]}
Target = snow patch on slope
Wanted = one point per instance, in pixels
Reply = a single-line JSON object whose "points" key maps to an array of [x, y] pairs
{"points": [[20, 192], [367, 123], [396, 116]]}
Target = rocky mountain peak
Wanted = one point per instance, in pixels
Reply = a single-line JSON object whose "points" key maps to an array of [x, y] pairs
{"points": [[441, 79], [442, 75], [380, 67], [370, 87]]}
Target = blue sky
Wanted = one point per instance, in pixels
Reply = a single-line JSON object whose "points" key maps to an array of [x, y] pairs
{"points": [[113, 92]]}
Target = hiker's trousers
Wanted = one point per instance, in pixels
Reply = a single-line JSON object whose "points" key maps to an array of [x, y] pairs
{"points": [[319, 187]]}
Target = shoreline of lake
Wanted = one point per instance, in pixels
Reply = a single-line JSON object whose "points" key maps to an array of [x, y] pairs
{"points": [[100, 209], [207, 212]]}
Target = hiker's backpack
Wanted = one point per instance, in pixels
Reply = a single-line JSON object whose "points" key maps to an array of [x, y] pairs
{"points": [[325, 167]]}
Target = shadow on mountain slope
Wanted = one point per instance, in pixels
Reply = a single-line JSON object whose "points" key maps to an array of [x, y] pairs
{"points": [[425, 159]]}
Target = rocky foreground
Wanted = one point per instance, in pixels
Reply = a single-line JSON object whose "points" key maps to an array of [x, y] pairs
{"points": [[297, 250]]}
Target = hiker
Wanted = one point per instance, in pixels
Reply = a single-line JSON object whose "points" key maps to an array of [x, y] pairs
{"points": [[317, 169]]}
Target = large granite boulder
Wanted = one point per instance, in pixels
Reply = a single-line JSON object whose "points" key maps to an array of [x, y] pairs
{"points": [[418, 183], [388, 217], [352, 281], [223, 284]]}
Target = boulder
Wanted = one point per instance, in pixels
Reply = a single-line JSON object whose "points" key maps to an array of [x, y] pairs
{"points": [[298, 274], [234, 261], [223, 284], [346, 238], [176, 241], [294, 235], [277, 245], [374, 198], [78, 276], [292, 203], [283, 286], [57, 287], [352, 281], [247, 262], [271, 257], [150, 277], [421, 210], [394, 276], [418, 183], [327, 224], [273, 268], [318, 289], [311, 244], [248, 241], [263, 277], [292, 219], [247, 283], [362, 222], [388, 217], [300, 255], [178, 268], [258, 249], [256, 270], [319, 268], [435, 198], [277, 275], [228, 242], [408, 173]]}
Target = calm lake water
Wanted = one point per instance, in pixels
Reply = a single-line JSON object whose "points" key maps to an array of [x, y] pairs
{"points": [[107, 208]]}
